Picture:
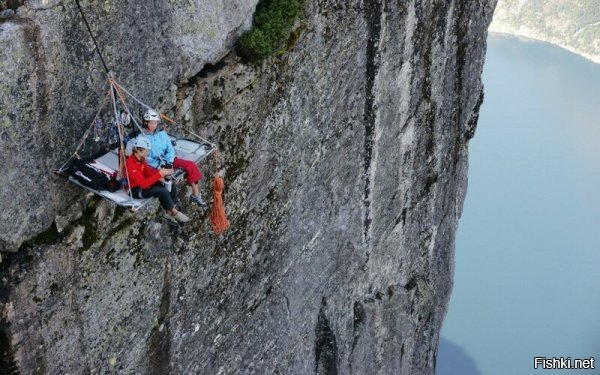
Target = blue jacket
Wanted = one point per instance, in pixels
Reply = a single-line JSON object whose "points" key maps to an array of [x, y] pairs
{"points": [[162, 149]]}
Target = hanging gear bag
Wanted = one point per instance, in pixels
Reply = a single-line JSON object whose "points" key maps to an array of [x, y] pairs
{"points": [[90, 177]]}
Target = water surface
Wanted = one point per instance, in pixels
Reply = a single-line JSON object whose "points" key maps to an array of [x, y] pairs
{"points": [[527, 271]]}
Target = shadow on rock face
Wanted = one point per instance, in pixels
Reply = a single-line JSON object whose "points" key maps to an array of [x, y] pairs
{"points": [[453, 360]]}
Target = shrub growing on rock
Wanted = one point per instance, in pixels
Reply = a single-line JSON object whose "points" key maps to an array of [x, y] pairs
{"points": [[273, 21]]}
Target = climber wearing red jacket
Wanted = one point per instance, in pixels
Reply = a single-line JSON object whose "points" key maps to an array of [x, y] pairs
{"points": [[146, 182]]}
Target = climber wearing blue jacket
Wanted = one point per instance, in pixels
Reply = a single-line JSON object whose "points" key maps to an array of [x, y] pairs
{"points": [[162, 153]]}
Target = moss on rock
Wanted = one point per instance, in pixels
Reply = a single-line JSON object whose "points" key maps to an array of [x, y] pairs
{"points": [[273, 22]]}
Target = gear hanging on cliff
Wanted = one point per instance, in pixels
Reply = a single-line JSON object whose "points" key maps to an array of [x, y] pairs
{"points": [[109, 158], [218, 217]]}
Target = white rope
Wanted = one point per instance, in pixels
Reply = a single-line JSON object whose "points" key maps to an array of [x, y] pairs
{"points": [[133, 97], [127, 109], [148, 107], [199, 137], [122, 152], [87, 132], [140, 128]]}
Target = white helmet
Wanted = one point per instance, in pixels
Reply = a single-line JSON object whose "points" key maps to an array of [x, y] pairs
{"points": [[150, 115], [141, 142]]}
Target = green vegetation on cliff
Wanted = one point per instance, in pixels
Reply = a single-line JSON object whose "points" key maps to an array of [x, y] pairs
{"points": [[273, 21], [573, 24]]}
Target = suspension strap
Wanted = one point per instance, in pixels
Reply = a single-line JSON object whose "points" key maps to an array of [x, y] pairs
{"points": [[120, 91], [87, 132], [92, 35], [217, 159], [121, 155], [166, 118]]}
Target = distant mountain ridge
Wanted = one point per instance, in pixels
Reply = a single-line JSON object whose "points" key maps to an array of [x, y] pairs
{"points": [[571, 24]]}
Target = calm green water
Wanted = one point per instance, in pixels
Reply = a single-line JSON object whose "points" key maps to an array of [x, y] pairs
{"points": [[527, 278]]}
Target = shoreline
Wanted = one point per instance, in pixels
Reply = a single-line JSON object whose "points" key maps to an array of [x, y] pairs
{"points": [[591, 58]]}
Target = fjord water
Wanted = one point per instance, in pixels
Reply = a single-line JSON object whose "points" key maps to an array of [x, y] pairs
{"points": [[527, 273]]}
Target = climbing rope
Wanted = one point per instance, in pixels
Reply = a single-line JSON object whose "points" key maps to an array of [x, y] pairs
{"points": [[93, 38], [86, 134], [218, 216], [162, 116], [121, 155], [121, 93], [118, 94]]}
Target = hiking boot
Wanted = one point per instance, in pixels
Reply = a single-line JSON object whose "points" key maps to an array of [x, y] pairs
{"points": [[170, 218], [197, 199], [181, 217]]}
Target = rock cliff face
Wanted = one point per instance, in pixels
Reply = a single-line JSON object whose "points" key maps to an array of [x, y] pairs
{"points": [[346, 165], [53, 81]]}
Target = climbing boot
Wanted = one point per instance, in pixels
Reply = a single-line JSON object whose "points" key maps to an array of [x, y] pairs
{"points": [[197, 199], [170, 218], [181, 217]]}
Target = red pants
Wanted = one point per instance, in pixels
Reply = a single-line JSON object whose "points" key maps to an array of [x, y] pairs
{"points": [[193, 174]]}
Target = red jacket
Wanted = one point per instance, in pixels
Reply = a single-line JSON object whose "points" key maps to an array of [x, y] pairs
{"points": [[140, 174]]}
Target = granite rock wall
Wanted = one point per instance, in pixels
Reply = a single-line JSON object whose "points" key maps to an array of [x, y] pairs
{"points": [[345, 162]]}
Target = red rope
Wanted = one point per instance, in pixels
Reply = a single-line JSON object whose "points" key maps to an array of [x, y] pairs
{"points": [[218, 217]]}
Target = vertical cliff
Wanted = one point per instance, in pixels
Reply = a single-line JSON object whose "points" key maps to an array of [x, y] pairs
{"points": [[346, 165]]}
